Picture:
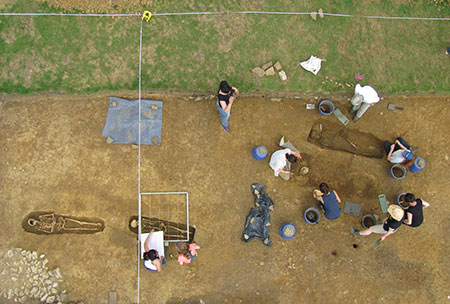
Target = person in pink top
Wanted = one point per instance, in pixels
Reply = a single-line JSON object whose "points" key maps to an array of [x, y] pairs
{"points": [[187, 252]]}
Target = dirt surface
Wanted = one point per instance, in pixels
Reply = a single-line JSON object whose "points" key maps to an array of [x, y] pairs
{"points": [[55, 159]]}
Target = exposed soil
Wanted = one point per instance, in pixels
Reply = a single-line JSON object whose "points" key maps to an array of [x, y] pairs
{"points": [[55, 159]]}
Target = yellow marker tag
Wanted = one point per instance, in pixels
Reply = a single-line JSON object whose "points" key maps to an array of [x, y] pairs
{"points": [[147, 16]]}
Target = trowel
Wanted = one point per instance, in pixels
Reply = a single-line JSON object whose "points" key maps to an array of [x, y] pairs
{"points": [[393, 107]]}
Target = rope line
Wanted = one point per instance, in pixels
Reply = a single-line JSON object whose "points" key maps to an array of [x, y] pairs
{"points": [[230, 12], [139, 172]]}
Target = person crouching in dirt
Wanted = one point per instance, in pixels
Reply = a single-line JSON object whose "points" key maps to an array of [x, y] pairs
{"points": [[187, 252], [153, 261], [399, 152], [364, 98], [328, 201], [225, 98], [281, 160], [389, 226], [414, 210]]}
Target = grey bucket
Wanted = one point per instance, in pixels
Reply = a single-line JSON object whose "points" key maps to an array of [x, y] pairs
{"points": [[369, 220], [312, 215], [399, 169], [326, 107]]}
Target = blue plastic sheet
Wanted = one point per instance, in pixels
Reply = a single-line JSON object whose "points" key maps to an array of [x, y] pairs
{"points": [[122, 121]]}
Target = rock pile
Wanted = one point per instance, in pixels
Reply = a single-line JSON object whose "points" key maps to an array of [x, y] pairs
{"points": [[269, 69], [25, 277]]}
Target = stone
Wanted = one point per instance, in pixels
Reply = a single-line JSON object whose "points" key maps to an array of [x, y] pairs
{"points": [[51, 299], [258, 71], [109, 140], [154, 107], [34, 254], [155, 140], [275, 99], [57, 273], [44, 297], [277, 66], [134, 146], [313, 15], [34, 291], [270, 71], [320, 12], [114, 103], [198, 98], [282, 75], [42, 256], [267, 65]]}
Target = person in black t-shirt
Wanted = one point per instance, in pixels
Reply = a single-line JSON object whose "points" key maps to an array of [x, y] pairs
{"points": [[225, 98], [389, 226], [413, 209]]}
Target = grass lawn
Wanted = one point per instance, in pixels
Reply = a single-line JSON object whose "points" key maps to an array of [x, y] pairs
{"points": [[82, 55]]}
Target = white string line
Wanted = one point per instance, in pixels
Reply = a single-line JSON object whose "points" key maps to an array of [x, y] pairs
{"points": [[72, 15], [139, 172], [230, 12]]}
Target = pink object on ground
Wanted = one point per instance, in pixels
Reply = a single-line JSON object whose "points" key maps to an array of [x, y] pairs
{"points": [[358, 77]]}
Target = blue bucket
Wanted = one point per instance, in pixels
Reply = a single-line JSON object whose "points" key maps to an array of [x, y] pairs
{"points": [[397, 171], [418, 165], [326, 107], [259, 152], [287, 230], [312, 215]]}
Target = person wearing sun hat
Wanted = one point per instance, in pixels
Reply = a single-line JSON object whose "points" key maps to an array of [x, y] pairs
{"points": [[389, 226]]}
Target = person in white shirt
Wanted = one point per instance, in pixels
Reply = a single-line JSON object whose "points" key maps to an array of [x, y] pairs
{"points": [[281, 160], [364, 98]]}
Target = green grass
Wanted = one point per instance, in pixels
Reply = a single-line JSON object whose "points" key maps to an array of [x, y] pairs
{"points": [[91, 54]]}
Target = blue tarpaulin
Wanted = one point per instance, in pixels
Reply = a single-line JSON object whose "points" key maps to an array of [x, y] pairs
{"points": [[122, 121]]}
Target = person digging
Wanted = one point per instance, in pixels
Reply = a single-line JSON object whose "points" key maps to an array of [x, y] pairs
{"points": [[389, 226]]}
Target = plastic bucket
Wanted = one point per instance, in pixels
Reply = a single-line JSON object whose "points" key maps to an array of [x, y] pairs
{"points": [[397, 200], [397, 171], [259, 152], [312, 215], [326, 107], [368, 221], [287, 230], [418, 165]]}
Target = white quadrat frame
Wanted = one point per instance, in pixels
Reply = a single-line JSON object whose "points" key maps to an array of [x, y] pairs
{"points": [[187, 210]]}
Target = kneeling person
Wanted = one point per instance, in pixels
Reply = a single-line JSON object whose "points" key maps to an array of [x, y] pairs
{"points": [[281, 160], [328, 201]]}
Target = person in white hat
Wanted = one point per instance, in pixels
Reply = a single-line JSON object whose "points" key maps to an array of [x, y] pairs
{"points": [[365, 96], [389, 226]]}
